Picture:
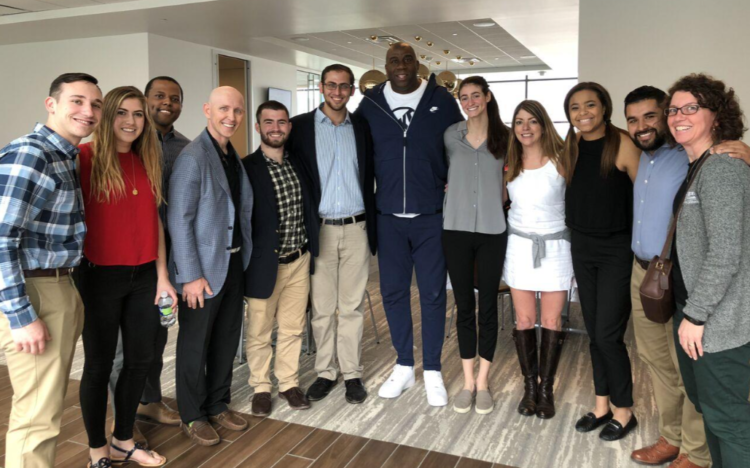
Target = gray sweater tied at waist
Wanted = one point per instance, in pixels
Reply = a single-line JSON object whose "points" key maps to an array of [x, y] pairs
{"points": [[538, 248]]}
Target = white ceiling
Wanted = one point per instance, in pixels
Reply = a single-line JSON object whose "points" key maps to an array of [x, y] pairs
{"points": [[14, 7], [477, 47], [547, 29]]}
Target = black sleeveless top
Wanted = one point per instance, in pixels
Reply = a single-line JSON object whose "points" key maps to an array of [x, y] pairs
{"points": [[594, 204]]}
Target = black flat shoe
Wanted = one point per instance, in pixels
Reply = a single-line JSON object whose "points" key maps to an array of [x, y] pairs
{"points": [[320, 389], [355, 391], [589, 422], [614, 430]]}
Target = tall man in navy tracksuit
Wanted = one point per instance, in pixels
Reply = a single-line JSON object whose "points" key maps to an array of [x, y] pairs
{"points": [[407, 117]]}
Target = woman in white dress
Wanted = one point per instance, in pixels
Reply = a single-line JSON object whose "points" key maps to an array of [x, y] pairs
{"points": [[538, 256]]}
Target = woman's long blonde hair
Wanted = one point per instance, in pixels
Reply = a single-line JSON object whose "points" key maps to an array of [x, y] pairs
{"points": [[552, 144], [106, 173]]}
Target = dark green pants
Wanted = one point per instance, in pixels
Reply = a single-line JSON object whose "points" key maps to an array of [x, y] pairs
{"points": [[718, 384]]}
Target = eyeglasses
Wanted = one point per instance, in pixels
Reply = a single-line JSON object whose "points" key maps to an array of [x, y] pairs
{"points": [[690, 109], [344, 87]]}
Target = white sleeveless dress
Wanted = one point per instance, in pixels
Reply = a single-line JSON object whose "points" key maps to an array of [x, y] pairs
{"points": [[538, 206]]}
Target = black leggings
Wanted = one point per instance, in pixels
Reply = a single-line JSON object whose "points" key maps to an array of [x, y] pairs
{"points": [[116, 298], [462, 251], [602, 266]]}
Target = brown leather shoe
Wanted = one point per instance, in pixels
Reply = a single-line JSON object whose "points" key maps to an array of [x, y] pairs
{"points": [[138, 436], [656, 454], [296, 398], [201, 432], [261, 405], [230, 420], [683, 462], [159, 412]]}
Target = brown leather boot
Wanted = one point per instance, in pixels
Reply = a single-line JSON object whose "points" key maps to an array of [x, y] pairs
{"points": [[551, 347], [526, 349]]}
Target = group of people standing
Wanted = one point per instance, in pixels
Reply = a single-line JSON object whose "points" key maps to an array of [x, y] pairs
{"points": [[299, 219]]}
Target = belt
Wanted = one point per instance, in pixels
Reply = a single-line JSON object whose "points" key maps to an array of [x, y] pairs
{"points": [[642, 263], [235, 250], [293, 256], [343, 221], [47, 272]]}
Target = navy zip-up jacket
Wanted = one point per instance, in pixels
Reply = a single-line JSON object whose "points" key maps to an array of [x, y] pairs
{"points": [[411, 168]]}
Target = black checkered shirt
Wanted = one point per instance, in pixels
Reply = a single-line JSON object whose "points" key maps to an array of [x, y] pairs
{"points": [[286, 186]]}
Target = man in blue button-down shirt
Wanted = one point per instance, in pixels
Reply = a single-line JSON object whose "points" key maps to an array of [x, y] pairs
{"points": [[41, 240]]}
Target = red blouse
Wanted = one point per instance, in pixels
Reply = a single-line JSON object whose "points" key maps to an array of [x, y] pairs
{"points": [[124, 231]]}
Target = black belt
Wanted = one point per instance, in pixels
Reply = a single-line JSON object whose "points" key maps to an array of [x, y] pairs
{"points": [[293, 256], [343, 221], [642, 263], [45, 273]]}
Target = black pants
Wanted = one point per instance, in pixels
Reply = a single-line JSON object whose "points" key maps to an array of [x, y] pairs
{"points": [[463, 250], [116, 298], [206, 346], [602, 266]]}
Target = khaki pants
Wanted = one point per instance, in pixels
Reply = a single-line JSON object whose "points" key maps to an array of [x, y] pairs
{"points": [[287, 305], [339, 282], [40, 381], [679, 422]]}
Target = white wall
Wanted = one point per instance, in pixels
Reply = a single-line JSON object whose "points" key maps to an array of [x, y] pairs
{"points": [[28, 69], [192, 65], [626, 44]]}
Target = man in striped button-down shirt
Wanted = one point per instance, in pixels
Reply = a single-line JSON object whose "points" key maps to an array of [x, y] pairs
{"points": [[41, 240], [335, 149]]}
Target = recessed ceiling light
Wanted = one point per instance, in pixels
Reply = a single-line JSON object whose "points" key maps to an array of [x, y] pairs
{"points": [[527, 57], [455, 34], [348, 42], [484, 24], [301, 39]]}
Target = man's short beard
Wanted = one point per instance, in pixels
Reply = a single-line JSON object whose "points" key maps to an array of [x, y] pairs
{"points": [[273, 144], [658, 142]]}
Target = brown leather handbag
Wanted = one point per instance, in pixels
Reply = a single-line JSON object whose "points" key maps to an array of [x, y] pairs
{"points": [[656, 289]]}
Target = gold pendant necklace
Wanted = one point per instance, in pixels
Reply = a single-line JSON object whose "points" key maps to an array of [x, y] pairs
{"points": [[132, 163]]}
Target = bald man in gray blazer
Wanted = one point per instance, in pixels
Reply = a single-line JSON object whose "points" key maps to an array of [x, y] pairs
{"points": [[210, 205]]}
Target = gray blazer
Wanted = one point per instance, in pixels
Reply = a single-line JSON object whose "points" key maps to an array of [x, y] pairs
{"points": [[201, 216], [713, 246]]}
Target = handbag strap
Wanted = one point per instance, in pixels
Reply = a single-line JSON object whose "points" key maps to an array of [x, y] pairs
{"points": [[666, 250]]}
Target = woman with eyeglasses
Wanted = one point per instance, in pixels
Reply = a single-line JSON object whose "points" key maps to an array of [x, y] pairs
{"points": [[599, 211], [123, 271], [538, 257], [474, 233], [711, 266]]}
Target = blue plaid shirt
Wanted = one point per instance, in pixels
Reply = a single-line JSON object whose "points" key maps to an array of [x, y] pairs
{"points": [[41, 215]]}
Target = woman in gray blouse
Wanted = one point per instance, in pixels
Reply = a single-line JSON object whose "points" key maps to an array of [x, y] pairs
{"points": [[474, 236], [711, 272]]}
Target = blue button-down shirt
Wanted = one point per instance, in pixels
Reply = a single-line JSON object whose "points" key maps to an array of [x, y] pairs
{"points": [[41, 215], [659, 177], [336, 147]]}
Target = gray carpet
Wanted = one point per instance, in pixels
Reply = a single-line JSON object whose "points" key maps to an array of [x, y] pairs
{"points": [[502, 436]]}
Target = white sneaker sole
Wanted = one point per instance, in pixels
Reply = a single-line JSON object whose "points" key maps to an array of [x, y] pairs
{"points": [[484, 411], [409, 384], [461, 410]]}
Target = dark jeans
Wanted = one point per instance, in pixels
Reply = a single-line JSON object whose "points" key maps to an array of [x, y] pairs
{"points": [[718, 384], [206, 346], [602, 266], [116, 298], [406, 245], [465, 251]]}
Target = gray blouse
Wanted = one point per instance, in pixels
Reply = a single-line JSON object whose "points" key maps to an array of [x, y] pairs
{"points": [[474, 202]]}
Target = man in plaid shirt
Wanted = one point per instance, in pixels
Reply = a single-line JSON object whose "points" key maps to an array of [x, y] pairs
{"points": [[41, 240], [277, 281]]}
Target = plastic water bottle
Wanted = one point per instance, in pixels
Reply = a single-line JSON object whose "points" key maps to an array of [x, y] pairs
{"points": [[165, 310]]}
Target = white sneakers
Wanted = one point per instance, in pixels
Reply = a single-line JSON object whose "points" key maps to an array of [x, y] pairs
{"points": [[433, 384], [402, 378]]}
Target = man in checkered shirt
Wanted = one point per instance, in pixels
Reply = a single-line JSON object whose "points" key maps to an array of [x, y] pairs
{"points": [[41, 240], [277, 281]]}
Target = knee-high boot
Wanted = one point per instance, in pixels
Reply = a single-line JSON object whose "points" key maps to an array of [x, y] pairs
{"points": [[551, 347], [527, 358]]}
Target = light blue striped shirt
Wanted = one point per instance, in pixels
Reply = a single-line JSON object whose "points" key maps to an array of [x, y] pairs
{"points": [[659, 177], [336, 147]]}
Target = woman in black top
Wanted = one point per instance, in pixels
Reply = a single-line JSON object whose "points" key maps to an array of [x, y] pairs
{"points": [[598, 210]]}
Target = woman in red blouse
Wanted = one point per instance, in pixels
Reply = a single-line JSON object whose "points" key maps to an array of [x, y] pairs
{"points": [[124, 269]]}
